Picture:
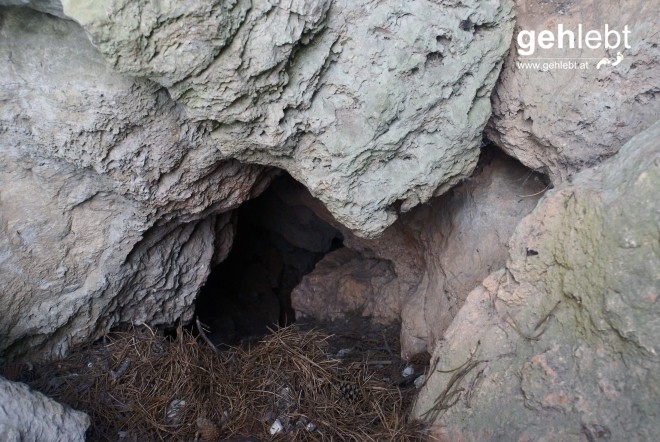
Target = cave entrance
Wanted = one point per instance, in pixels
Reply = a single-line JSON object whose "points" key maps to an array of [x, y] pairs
{"points": [[278, 239]]}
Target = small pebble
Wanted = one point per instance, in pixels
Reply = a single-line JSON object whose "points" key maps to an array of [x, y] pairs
{"points": [[420, 381], [276, 427], [408, 371], [224, 418], [343, 352], [173, 413]]}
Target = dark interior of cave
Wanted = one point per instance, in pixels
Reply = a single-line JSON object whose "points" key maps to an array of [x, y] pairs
{"points": [[278, 240]]}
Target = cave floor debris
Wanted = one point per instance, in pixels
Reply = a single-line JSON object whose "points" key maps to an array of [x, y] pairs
{"points": [[299, 383]]}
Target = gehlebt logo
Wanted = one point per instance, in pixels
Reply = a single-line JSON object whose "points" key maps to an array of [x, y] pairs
{"points": [[531, 44]]}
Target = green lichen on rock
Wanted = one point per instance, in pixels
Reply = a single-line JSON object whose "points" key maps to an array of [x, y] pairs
{"points": [[568, 331], [371, 105]]}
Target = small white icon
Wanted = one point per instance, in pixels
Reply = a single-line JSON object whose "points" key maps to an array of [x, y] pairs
{"points": [[610, 62]]}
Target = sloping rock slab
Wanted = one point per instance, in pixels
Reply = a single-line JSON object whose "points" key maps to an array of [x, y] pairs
{"points": [[562, 343]]}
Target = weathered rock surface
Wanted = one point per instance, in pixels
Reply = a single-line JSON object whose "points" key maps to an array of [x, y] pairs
{"points": [[562, 343], [52, 7], [422, 268], [109, 197], [345, 282], [111, 191], [559, 121], [366, 103], [29, 416]]}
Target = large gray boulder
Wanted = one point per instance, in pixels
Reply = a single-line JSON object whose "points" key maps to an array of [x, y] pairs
{"points": [[29, 416], [110, 199], [560, 121], [372, 105], [562, 344]]}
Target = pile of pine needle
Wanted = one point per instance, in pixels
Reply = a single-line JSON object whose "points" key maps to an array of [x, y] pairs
{"points": [[140, 385]]}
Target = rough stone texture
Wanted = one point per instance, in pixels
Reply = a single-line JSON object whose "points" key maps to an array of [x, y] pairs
{"points": [[371, 105], [562, 343], [9, 434], [111, 191], [561, 121], [166, 42], [109, 197], [29, 416], [52, 7], [422, 268], [345, 282]]}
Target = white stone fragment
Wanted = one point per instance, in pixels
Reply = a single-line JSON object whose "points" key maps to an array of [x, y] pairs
{"points": [[277, 427]]}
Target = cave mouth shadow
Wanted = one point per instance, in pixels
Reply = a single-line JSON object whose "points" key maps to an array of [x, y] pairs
{"points": [[278, 240]]}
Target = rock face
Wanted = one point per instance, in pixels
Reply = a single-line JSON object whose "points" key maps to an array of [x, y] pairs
{"points": [[114, 189], [131, 130], [559, 121], [562, 343], [346, 282], [371, 105], [52, 7], [110, 198], [422, 268], [28, 416]]}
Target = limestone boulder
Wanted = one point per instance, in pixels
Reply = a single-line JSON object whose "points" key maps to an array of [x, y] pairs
{"points": [[111, 200], [559, 121], [561, 344], [29, 416], [346, 283], [374, 106]]}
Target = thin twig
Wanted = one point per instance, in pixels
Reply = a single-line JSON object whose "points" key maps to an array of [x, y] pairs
{"points": [[202, 333]]}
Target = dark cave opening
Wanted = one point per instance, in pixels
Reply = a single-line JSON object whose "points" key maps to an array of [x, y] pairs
{"points": [[278, 252], [278, 239]]}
